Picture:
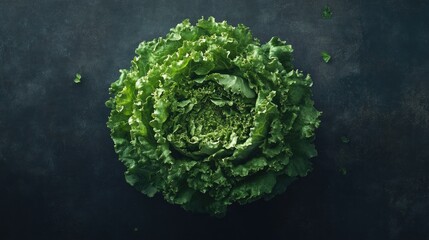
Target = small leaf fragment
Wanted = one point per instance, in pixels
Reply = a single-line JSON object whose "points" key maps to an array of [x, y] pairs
{"points": [[327, 13], [326, 57], [345, 139], [77, 78]]}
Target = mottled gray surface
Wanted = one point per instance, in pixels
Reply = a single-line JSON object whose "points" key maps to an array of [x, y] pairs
{"points": [[59, 175]]}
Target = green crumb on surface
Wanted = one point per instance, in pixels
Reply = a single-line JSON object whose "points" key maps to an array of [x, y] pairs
{"points": [[326, 13], [77, 78], [326, 57], [345, 139], [343, 170]]}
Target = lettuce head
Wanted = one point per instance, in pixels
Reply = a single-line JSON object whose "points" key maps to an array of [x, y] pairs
{"points": [[208, 116]]}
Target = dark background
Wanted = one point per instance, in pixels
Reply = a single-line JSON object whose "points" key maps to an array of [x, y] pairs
{"points": [[59, 175]]}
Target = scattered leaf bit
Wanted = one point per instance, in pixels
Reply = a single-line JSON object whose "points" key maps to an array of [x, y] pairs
{"points": [[343, 170], [345, 139], [77, 78], [326, 57], [327, 13]]}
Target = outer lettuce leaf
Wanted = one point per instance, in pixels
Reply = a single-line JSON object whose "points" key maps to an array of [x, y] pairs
{"points": [[208, 116]]}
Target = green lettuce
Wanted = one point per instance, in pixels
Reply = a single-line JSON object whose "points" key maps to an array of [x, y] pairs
{"points": [[208, 116]]}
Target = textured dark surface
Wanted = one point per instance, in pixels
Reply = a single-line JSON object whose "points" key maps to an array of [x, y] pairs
{"points": [[59, 175]]}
